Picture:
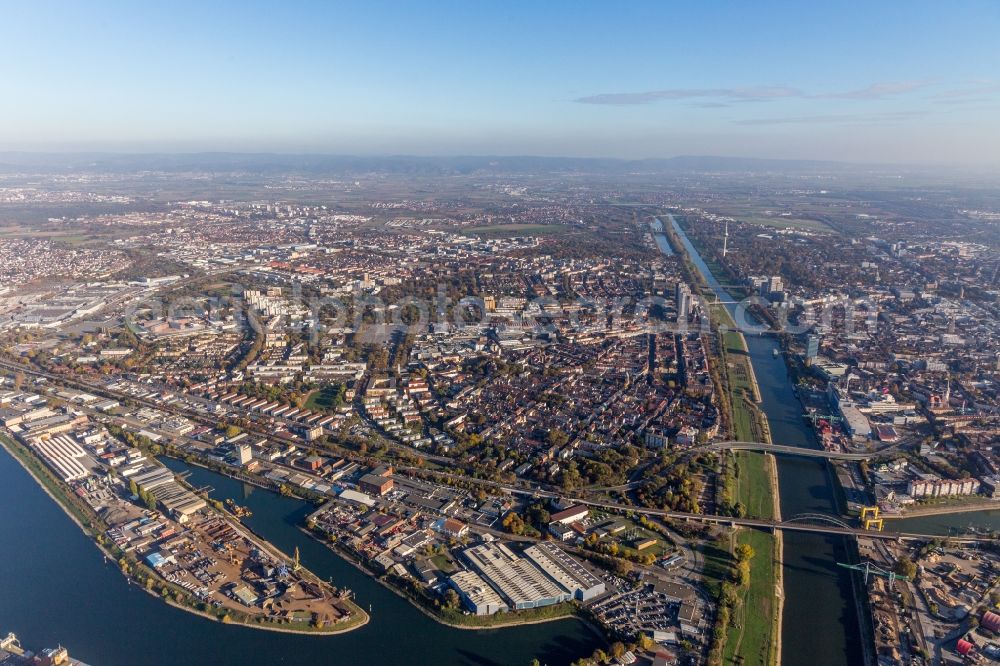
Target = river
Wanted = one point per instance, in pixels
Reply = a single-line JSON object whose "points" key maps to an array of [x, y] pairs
{"points": [[948, 524], [661, 239], [55, 588], [819, 623]]}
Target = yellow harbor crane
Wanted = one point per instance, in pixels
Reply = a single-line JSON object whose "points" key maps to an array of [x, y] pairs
{"points": [[870, 519]]}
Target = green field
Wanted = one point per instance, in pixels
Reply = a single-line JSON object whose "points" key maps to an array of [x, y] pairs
{"points": [[752, 634], [517, 230], [326, 399], [444, 563], [748, 421], [753, 484], [753, 638], [718, 567], [790, 223]]}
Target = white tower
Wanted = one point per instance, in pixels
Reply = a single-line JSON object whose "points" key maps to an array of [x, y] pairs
{"points": [[725, 241]]}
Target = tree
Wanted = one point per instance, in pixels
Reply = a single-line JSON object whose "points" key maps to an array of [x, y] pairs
{"points": [[905, 567], [149, 499], [558, 438], [451, 599], [513, 523], [133, 488], [538, 515], [742, 576], [744, 552], [570, 478], [232, 431]]}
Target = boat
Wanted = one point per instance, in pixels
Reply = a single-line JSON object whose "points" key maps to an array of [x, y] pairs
{"points": [[237, 510]]}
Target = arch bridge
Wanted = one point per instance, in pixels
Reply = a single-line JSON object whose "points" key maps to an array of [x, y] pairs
{"points": [[816, 518]]}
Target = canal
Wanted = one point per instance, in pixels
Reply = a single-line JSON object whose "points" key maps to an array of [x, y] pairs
{"points": [[820, 621], [55, 588]]}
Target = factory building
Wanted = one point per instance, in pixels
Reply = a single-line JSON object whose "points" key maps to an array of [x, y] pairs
{"points": [[571, 515], [477, 596], [518, 580], [376, 485], [64, 456], [177, 500], [566, 571]]}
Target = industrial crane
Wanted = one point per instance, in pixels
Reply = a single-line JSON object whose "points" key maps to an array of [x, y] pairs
{"points": [[871, 569]]}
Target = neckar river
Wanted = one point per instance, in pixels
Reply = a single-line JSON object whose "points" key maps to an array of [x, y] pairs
{"points": [[55, 588], [949, 524], [820, 621]]}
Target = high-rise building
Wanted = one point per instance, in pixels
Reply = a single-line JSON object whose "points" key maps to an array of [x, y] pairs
{"points": [[773, 285], [682, 297], [812, 348]]}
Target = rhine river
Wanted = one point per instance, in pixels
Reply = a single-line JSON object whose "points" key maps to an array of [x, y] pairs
{"points": [[820, 622], [55, 588]]}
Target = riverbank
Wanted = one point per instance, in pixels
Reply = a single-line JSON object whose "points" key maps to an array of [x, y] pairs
{"points": [[485, 623], [758, 638], [779, 557], [971, 507], [134, 570], [45, 556]]}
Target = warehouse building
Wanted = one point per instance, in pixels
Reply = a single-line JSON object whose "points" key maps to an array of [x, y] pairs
{"points": [[177, 500], [478, 597], [376, 485], [64, 456], [518, 580], [566, 571], [571, 515]]}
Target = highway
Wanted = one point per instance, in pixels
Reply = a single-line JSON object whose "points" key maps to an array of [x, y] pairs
{"points": [[807, 523]]}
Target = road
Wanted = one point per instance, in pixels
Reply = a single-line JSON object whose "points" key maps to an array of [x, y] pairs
{"points": [[793, 524], [795, 450]]}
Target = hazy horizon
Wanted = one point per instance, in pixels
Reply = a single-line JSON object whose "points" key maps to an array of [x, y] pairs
{"points": [[917, 84]]}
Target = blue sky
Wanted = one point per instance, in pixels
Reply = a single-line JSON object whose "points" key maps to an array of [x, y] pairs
{"points": [[880, 82]]}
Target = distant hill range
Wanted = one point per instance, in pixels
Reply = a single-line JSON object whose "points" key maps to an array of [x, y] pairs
{"points": [[413, 165]]}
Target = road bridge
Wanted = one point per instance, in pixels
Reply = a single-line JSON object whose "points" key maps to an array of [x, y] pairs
{"points": [[814, 523], [764, 447]]}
